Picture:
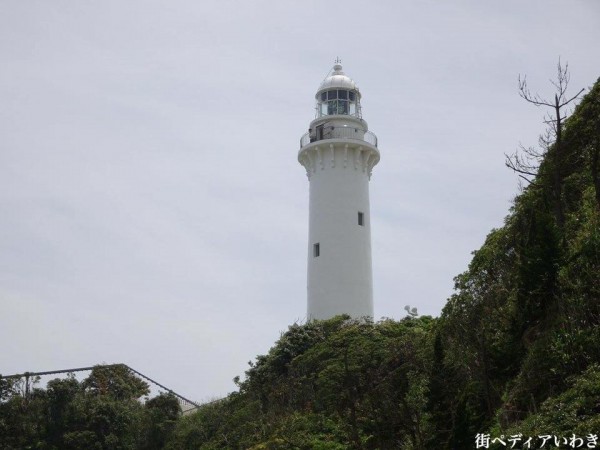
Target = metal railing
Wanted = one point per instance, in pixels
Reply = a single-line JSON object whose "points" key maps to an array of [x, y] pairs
{"points": [[338, 133], [29, 375]]}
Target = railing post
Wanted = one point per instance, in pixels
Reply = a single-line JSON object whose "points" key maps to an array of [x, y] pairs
{"points": [[26, 386]]}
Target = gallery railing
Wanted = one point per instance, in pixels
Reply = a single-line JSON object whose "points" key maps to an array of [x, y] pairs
{"points": [[338, 133]]}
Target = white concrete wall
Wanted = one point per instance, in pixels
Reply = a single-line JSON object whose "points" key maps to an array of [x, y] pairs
{"points": [[340, 278]]}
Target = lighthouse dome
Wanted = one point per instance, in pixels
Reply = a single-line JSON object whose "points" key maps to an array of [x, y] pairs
{"points": [[338, 80]]}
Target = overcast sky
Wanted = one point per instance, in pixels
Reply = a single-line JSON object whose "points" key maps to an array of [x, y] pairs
{"points": [[152, 209]]}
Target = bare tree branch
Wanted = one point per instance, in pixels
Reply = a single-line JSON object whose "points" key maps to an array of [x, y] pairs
{"points": [[525, 162], [576, 96], [561, 84]]}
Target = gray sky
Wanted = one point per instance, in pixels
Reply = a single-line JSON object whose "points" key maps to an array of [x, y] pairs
{"points": [[152, 210]]}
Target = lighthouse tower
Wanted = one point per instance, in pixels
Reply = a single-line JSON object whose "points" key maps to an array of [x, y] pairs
{"points": [[339, 153]]}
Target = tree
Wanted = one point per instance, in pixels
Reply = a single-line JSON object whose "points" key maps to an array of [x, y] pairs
{"points": [[107, 412], [7, 388], [116, 381], [528, 163], [161, 414], [60, 417]]}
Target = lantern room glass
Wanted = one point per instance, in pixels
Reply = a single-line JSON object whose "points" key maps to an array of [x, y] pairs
{"points": [[338, 102]]}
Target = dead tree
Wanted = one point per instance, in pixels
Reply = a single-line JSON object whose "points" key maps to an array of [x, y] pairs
{"points": [[526, 161]]}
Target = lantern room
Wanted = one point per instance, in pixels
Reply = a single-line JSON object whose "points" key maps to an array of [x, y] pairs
{"points": [[338, 95]]}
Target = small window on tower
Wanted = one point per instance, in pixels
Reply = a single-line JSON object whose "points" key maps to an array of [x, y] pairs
{"points": [[316, 250], [361, 219]]}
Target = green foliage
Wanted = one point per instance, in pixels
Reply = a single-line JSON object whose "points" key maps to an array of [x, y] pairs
{"points": [[525, 316], [102, 412], [332, 384], [161, 415], [115, 381], [574, 411]]}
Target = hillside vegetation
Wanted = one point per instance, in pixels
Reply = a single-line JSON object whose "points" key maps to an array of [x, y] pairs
{"points": [[101, 412], [515, 350]]}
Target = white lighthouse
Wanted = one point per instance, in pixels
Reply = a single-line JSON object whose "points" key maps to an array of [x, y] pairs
{"points": [[338, 153]]}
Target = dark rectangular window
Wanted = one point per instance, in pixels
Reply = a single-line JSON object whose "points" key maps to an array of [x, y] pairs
{"points": [[361, 219], [343, 94], [316, 250], [331, 107]]}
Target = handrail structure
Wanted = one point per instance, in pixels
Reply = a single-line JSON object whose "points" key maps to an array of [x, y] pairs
{"points": [[27, 375], [339, 133]]}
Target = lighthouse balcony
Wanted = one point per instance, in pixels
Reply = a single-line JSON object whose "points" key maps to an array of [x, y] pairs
{"points": [[333, 132]]}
